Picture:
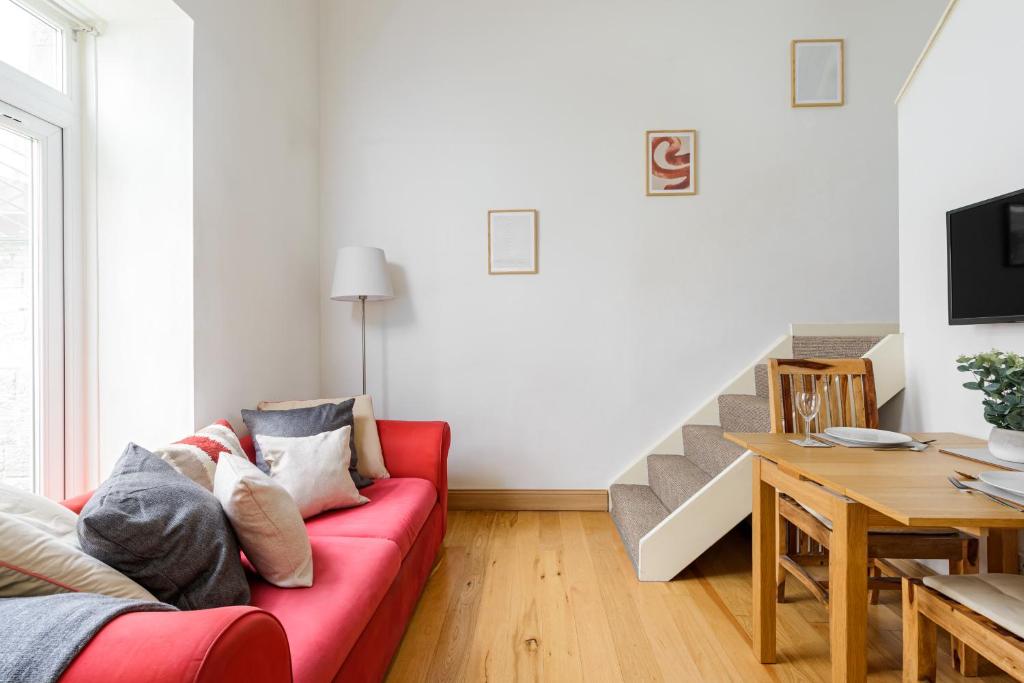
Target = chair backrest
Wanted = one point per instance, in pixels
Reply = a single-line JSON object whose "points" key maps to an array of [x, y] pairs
{"points": [[846, 387]]}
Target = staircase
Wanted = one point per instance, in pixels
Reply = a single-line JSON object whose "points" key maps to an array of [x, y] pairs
{"points": [[690, 489]]}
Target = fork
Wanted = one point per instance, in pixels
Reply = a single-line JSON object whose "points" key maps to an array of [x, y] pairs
{"points": [[959, 485]]}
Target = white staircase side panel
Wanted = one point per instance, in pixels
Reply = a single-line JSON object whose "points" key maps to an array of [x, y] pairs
{"points": [[698, 523], [889, 365], [706, 414]]}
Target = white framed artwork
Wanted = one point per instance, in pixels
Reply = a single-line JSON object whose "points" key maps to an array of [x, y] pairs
{"points": [[512, 242], [817, 72]]}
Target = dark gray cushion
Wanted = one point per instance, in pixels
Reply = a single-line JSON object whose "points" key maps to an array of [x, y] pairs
{"points": [[166, 532], [328, 417]]}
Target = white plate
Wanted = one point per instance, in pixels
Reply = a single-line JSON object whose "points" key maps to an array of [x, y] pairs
{"points": [[874, 437], [1008, 481]]}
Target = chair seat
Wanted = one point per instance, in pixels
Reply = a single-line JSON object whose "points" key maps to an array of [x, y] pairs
{"points": [[906, 530], [999, 597]]}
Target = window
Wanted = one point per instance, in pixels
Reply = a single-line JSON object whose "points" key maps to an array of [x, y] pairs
{"points": [[31, 303], [39, 133], [32, 44]]}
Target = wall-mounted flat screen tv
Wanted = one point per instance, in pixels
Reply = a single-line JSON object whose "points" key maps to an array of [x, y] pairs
{"points": [[986, 261]]}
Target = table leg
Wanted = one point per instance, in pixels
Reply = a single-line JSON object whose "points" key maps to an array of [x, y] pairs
{"points": [[766, 547], [848, 592], [1002, 551]]}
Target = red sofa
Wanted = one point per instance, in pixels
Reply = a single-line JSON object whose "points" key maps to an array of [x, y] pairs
{"points": [[370, 565]]}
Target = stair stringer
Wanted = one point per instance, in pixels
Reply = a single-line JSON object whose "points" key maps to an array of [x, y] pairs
{"points": [[698, 523]]}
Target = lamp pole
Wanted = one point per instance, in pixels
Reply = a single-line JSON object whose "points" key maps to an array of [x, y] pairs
{"points": [[362, 304]]}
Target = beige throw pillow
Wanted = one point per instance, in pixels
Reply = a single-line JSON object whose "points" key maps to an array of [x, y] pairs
{"points": [[371, 457], [40, 555], [267, 522], [313, 469]]}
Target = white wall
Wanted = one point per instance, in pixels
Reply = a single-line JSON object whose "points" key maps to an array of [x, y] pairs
{"points": [[433, 113], [143, 223], [208, 219], [257, 316], [960, 141]]}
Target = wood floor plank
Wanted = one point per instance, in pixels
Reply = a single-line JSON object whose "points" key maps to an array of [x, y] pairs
{"points": [[552, 596], [455, 637], [593, 628]]}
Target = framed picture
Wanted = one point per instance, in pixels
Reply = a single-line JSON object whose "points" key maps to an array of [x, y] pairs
{"points": [[671, 162], [817, 76], [512, 241]]}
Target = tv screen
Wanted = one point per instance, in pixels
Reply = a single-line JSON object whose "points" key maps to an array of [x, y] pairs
{"points": [[986, 261]]}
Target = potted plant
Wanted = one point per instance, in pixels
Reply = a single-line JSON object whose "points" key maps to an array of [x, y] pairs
{"points": [[999, 375]]}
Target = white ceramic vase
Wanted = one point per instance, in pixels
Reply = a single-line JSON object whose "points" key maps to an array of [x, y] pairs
{"points": [[1006, 444]]}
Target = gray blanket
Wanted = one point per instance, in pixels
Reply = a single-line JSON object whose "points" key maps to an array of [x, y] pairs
{"points": [[39, 636]]}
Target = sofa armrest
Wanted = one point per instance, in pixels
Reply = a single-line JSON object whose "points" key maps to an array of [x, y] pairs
{"points": [[418, 449], [203, 646], [78, 502]]}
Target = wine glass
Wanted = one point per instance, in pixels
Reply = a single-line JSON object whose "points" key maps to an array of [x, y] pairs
{"points": [[808, 403]]}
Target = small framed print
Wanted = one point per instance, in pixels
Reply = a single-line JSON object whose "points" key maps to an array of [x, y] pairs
{"points": [[512, 242], [817, 72], [671, 162]]}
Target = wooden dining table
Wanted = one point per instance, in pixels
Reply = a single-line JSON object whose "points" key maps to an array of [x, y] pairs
{"points": [[858, 489]]}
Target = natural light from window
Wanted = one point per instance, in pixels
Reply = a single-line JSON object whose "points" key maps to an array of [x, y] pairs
{"points": [[30, 44], [17, 456]]}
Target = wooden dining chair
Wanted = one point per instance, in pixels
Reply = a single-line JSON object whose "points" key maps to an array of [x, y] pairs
{"points": [[846, 390], [993, 628]]}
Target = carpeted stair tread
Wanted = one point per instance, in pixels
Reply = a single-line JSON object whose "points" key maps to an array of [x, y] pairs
{"points": [[674, 478], [705, 446], [832, 347], [743, 413], [761, 380], [635, 510]]}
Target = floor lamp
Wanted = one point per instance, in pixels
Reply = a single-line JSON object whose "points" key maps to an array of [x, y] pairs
{"points": [[361, 274]]}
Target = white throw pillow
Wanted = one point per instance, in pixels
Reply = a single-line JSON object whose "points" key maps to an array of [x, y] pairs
{"points": [[40, 555], [41, 512], [313, 469], [371, 457], [267, 522]]}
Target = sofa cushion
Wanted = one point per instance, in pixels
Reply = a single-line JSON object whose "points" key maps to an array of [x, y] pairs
{"points": [[323, 622], [313, 469], [196, 456], [396, 512], [267, 522], [164, 531], [38, 561], [305, 422], [371, 458]]}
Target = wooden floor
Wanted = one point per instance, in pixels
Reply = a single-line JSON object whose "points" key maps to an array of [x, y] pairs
{"points": [[552, 596]]}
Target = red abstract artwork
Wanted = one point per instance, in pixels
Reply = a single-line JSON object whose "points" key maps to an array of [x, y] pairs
{"points": [[671, 162]]}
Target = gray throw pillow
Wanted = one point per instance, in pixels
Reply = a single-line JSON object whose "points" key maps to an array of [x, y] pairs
{"points": [[166, 532], [328, 417]]}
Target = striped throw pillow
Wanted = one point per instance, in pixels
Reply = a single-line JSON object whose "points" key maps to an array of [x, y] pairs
{"points": [[196, 455]]}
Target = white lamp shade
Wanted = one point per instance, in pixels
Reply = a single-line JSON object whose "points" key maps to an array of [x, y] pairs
{"points": [[359, 272]]}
